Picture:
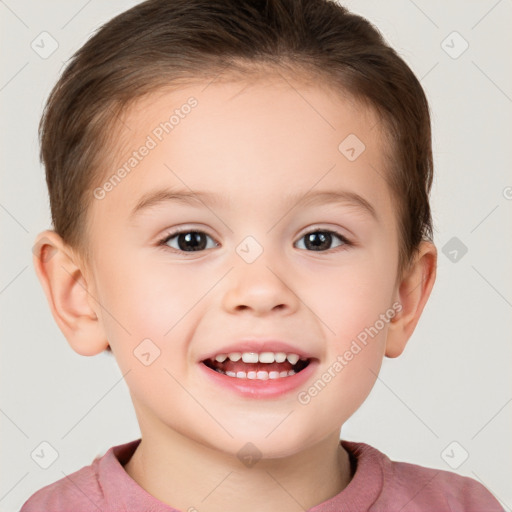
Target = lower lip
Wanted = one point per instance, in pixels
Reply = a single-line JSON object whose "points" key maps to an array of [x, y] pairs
{"points": [[255, 388]]}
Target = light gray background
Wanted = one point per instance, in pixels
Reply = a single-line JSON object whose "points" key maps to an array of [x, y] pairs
{"points": [[453, 383]]}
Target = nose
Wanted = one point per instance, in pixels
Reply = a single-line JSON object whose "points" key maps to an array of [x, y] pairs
{"points": [[259, 288]]}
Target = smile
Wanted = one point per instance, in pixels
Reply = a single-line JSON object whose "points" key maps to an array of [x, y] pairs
{"points": [[257, 366], [259, 374]]}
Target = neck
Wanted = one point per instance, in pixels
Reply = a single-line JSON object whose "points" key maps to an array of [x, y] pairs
{"points": [[188, 475]]}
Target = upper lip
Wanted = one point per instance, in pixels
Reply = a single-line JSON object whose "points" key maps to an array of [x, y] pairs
{"points": [[259, 346]]}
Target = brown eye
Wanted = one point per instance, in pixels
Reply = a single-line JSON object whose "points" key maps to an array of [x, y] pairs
{"points": [[188, 241], [321, 240]]}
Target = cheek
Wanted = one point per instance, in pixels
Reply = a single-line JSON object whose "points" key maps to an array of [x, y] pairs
{"points": [[143, 301], [356, 306], [146, 325], [353, 353], [351, 299]]}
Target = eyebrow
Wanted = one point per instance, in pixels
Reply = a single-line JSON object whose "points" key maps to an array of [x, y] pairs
{"points": [[158, 197]]}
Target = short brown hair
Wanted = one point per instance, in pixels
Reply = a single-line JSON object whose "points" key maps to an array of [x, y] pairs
{"points": [[162, 42]]}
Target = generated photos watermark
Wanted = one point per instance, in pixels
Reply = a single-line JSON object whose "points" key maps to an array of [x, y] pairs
{"points": [[156, 136], [304, 397]]}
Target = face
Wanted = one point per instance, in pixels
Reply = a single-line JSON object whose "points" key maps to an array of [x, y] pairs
{"points": [[288, 245]]}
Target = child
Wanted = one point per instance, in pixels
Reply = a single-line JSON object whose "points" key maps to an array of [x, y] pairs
{"points": [[291, 148]]}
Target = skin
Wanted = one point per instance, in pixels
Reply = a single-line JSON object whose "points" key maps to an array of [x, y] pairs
{"points": [[256, 144]]}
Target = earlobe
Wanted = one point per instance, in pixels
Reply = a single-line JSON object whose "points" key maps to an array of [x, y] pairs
{"points": [[412, 293], [68, 294]]}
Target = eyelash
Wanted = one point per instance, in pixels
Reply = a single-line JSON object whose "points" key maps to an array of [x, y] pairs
{"points": [[163, 242]]}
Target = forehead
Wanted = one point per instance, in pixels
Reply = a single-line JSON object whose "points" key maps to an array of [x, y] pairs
{"points": [[248, 140]]}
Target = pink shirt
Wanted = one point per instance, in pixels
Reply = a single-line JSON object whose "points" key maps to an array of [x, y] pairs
{"points": [[378, 484]]}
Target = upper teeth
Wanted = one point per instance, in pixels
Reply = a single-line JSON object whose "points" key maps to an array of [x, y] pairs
{"points": [[255, 357]]}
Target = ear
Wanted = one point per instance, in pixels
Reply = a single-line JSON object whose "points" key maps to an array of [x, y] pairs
{"points": [[71, 298], [413, 291]]}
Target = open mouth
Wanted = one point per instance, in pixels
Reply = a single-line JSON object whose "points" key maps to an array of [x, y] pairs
{"points": [[257, 366]]}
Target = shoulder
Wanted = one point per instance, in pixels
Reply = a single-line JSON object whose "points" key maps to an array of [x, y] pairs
{"points": [[413, 488], [444, 488], [80, 490], [103, 485]]}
